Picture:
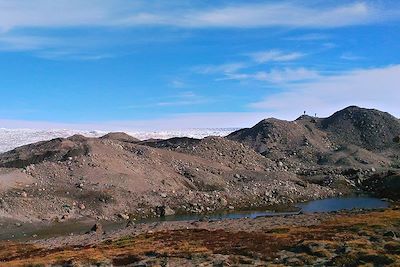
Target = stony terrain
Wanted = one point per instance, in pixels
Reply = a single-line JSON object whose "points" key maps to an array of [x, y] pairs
{"points": [[116, 178], [120, 178]]}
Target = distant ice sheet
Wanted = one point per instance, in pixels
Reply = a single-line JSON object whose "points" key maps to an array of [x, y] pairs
{"points": [[12, 138]]}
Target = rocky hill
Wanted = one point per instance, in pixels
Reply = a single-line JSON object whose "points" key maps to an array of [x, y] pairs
{"points": [[351, 137], [274, 162], [367, 128], [109, 178]]}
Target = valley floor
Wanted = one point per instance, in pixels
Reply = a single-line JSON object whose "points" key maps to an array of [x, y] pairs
{"points": [[348, 238]]}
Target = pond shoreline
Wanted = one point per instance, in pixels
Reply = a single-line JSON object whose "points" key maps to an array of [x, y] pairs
{"points": [[33, 231]]}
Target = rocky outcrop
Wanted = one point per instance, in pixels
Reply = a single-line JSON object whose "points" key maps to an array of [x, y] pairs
{"points": [[120, 136]]}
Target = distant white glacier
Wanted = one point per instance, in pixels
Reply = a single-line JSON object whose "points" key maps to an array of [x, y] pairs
{"points": [[12, 138]]}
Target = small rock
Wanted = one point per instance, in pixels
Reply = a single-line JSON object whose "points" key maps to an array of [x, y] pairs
{"points": [[130, 223], [82, 206], [223, 201], [169, 211], [97, 228], [123, 216], [24, 194], [164, 211], [392, 234]]}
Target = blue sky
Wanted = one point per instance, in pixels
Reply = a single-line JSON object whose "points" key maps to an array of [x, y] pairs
{"points": [[121, 64]]}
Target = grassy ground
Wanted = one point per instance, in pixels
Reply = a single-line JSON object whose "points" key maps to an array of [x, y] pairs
{"points": [[349, 239]]}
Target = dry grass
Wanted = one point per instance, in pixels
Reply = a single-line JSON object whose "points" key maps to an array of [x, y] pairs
{"points": [[362, 233]]}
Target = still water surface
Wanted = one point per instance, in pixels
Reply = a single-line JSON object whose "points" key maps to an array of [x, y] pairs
{"points": [[26, 231]]}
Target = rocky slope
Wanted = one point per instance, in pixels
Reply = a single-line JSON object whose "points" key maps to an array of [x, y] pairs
{"points": [[274, 162], [114, 177]]}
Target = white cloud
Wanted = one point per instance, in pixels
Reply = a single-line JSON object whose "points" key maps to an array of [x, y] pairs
{"points": [[176, 83], [350, 56], [75, 13], [236, 71], [309, 37], [182, 99], [72, 55], [276, 76], [26, 17], [25, 42], [377, 88], [223, 68], [56, 13], [275, 56], [284, 14], [286, 75]]}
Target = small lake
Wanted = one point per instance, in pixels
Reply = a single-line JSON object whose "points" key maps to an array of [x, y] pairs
{"points": [[342, 203], [321, 205], [79, 227]]}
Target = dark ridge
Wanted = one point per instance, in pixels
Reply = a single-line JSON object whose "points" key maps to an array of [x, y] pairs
{"points": [[78, 138], [58, 149]]}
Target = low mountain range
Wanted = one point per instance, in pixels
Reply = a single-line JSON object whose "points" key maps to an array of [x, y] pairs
{"points": [[274, 162]]}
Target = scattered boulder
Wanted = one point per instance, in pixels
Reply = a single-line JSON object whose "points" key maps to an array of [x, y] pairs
{"points": [[130, 223], [97, 228], [163, 211], [223, 201]]}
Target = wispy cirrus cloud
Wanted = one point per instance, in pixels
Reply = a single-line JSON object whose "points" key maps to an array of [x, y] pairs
{"points": [[181, 99], [275, 56], [350, 56], [278, 76], [245, 70], [75, 13], [37, 15], [226, 68], [309, 37], [13, 42], [72, 55]]}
